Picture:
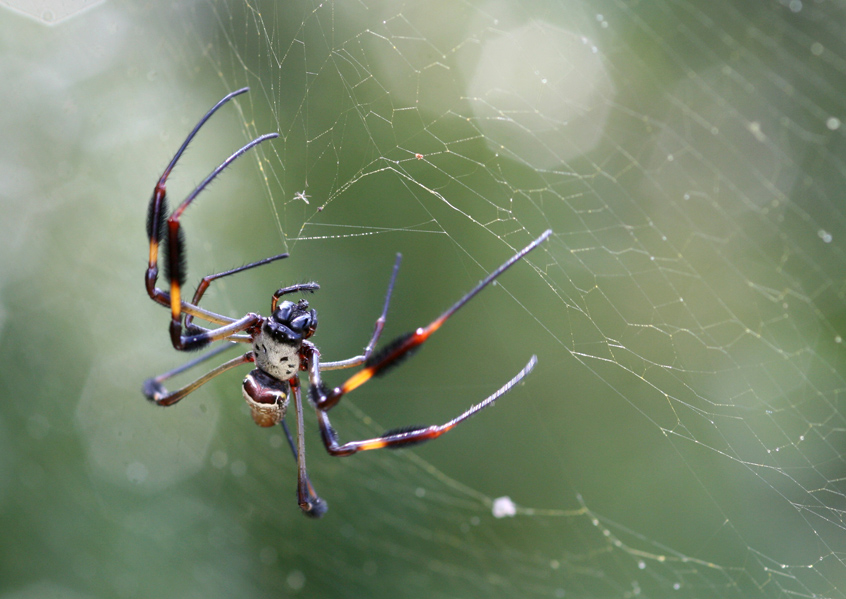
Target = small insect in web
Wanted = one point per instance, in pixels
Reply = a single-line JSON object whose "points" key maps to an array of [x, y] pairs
{"points": [[279, 345]]}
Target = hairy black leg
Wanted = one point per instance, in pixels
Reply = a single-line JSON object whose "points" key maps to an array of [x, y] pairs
{"points": [[401, 437], [400, 348], [157, 209], [159, 226]]}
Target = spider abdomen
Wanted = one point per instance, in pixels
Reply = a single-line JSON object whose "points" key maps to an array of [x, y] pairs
{"points": [[266, 396]]}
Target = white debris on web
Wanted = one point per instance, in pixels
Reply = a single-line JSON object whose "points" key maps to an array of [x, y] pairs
{"points": [[503, 507]]}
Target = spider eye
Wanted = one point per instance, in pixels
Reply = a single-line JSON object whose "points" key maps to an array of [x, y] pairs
{"points": [[283, 313], [301, 323]]}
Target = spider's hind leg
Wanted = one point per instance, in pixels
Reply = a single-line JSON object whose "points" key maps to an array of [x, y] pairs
{"points": [[154, 388], [410, 435]]}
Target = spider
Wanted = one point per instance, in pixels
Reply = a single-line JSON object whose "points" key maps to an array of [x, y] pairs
{"points": [[279, 343]]}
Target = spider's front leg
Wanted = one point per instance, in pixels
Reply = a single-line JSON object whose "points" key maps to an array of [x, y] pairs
{"points": [[402, 347], [160, 225], [157, 212]]}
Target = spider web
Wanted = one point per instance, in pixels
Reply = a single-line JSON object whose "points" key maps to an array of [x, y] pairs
{"points": [[683, 432]]}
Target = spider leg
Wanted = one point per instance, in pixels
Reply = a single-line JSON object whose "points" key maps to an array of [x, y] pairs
{"points": [[155, 391], [206, 281], [310, 503], [157, 209], [399, 348], [403, 437], [377, 331], [158, 225], [175, 265], [319, 505]]}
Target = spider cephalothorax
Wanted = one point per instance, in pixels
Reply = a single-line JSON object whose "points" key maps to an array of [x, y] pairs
{"points": [[279, 346], [292, 322]]}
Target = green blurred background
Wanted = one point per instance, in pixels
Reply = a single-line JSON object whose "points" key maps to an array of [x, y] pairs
{"points": [[683, 432]]}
